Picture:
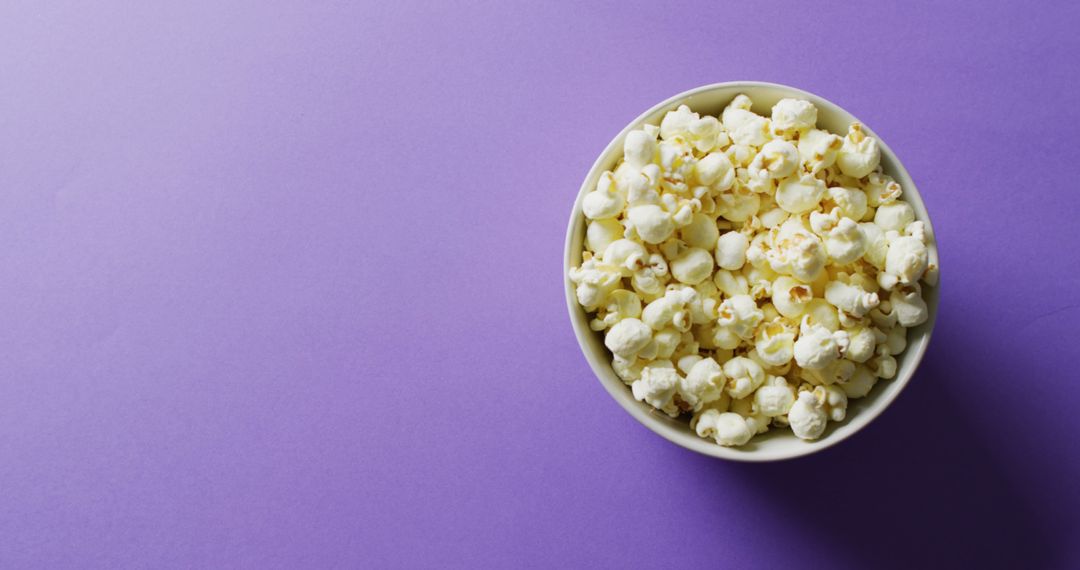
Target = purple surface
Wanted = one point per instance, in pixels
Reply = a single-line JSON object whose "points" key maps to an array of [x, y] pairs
{"points": [[281, 288]]}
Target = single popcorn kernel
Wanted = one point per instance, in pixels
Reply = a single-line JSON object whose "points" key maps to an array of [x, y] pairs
{"points": [[818, 149], [859, 154], [751, 272], [800, 194], [792, 116], [693, 266]]}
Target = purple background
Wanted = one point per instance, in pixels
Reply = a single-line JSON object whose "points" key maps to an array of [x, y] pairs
{"points": [[280, 287]]}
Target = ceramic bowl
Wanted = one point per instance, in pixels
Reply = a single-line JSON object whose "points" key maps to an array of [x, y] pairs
{"points": [[777, 443]]}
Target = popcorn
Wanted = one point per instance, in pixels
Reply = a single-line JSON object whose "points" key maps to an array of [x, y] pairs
{"points": [[628, 370], [836, 372], [800, 194], [705, 134], [881, 189], [700, 232], [657, 386], [848, 321], [740, 155], [676, 165], [638, 149], [906, 260], [641, 187], [754, 131], [704, 383], [728, 429], [672, 248], [703, 309], [793, 116], [628, 337], [817, 347], [917, 230], [704, 423], [649, 276], [774, 398], [833, 400], [883, 366], [604, 202], [738, 204], [773, 217], [896, 340], [821, 312], [807, 417], [759, 245], [731, 250], [601, 233], [757, 180], [740, 315], [883, 317], [594, 280], [670, 310], [684, 210], [777, 159], [752, 271], [740, 103], [666, 341], [775, 342], [686, 363], [743, 126], [844, 240], [796, 252], [894, 216], [877, 245], [758, 423], [909, 306], [821, 223], [760, 280], [861, 344], [677, 123], [731, 284], [744, 376], [859, 154], [818, 149], [850, 202], [850, 299], [621, 304], [688, 345], [626, 255], [860, 384], [930, 277], [716, 170], [693, 266], [791, 296], [652, 224]]}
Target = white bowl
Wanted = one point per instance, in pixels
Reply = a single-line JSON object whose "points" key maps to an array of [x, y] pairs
{"points": [[777, 443]]}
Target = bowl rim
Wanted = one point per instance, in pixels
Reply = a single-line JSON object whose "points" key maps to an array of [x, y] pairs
{"points": [[692, 441]]}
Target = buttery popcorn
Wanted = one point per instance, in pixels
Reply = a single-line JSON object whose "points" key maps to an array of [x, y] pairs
{"points": [[752, 271], [859, 155], [703, 383], [731, 250], [774, 398], [799, 193], [792, 116], [795, 251], [817, 347], [657, 386], [807, 417], [601, 233]]}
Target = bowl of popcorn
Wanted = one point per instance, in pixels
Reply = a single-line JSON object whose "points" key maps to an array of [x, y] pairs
{"points": [[751, 272]]}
